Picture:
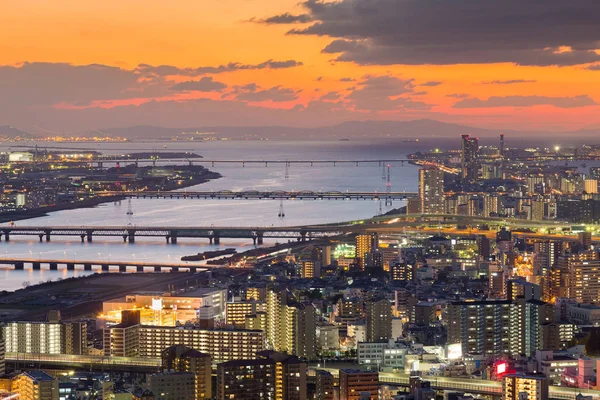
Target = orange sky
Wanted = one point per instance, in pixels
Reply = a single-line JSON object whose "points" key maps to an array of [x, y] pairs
{"points": [[192, 33]]}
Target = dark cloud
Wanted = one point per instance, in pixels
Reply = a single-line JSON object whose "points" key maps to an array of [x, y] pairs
{"points": [[595, 67], [526, 101], [509, 82], [458, 95], [381, 93], [275, 94], [347, 80], [166, 70], [285, 18], [206, 84], [331, 96], [421, 93], [431, 83], [525, 32], [319, 79]]}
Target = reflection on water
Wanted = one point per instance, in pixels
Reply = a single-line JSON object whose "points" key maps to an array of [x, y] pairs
{"points": [[194, 212]]}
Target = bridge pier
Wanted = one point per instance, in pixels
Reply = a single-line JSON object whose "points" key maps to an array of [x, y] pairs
{"points": [[82, 237], [53, 266], [19, 265], [157, 268], [124, 238], [71, 267], [41, 235], [139, 268], [217, 237], [193, 270], [122, 268], [89, 236], [48, 236], [37, 266], [7, 235], [131, 236], [173, 235], [174, 269], [303, 236], [87, 267], [105, 267], [259, 238]]}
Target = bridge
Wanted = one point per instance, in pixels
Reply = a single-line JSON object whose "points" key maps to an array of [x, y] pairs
{"points": [[475, 386], [263, 195], [103, 265], [173, 233]]}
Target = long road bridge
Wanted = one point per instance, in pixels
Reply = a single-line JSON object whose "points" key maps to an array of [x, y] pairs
{"points": [[103, 265], [172, 233], [263, 195]]}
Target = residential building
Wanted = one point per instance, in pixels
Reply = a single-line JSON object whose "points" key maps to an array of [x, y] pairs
{"points": [[170, 385], [325, 385], [523, 387], [35, 385], [431, 190], [379, 320], [272, 376], [236, 312], [184, 359], [55, 337], [150, 341], [354, 382], [291, 326]]}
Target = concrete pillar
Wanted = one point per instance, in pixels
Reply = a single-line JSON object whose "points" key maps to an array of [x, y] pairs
{"points": [[210, 239], [140, 268], [124, 238], [303, 236], [173, 235], [87, 267], [168, 238], [47, 236], [71, 267], [41, 235], [19, 265], [260, 237], [254, 240], [82, 237], [157, 269], [37, 266], [89, 236], [131, 236], [105, 268], [53, 266], [122, 268], [217, 238], [7, 235]]}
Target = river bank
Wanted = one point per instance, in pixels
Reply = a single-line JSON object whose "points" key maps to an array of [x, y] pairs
{"points": [[19, 215]]}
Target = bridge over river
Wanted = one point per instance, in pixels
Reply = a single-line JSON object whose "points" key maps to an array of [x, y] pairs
{"points": [[173, 233]]}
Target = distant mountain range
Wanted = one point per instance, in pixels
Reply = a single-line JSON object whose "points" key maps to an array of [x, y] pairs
{"points": [[423, 128], [9, 132]]}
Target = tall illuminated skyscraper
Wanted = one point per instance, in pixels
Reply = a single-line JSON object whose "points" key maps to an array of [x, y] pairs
{"points": [[365, 244], [470, 158], [431, 190]]}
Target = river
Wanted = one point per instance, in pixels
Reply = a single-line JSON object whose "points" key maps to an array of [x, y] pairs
{"points": [[194, 212]]}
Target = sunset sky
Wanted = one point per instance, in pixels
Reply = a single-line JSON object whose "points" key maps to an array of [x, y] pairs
{"points": [[68, 66]]}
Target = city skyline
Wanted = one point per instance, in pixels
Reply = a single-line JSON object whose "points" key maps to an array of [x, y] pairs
{"points": [[74, 66]]}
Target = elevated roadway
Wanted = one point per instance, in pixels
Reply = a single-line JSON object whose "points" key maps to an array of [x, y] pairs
{"points": [[475, 386]]}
